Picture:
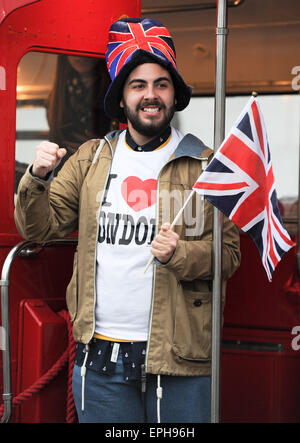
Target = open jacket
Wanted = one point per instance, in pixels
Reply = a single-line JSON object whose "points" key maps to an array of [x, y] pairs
{"points": [[179, 340]]}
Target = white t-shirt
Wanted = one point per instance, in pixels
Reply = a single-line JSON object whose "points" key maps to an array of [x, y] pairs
{"points": [[127, 227]]}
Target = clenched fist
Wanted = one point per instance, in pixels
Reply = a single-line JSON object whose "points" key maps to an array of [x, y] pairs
{"points": [[164, 244], [47, 157]]}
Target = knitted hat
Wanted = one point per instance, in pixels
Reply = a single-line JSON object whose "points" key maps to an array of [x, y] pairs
{"points": [[133, 41]]}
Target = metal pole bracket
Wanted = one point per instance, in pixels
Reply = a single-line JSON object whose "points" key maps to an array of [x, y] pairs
{"points": [[4, 282], [222, 31]]}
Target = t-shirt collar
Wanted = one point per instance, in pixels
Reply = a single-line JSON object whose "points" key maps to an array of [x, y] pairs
{"points": [[154, 144]]}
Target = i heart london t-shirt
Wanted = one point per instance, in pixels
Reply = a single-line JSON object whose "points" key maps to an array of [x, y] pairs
{"points": [[126, 229]]}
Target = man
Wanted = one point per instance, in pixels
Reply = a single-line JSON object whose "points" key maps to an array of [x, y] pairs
{"points": [[143, 338]]}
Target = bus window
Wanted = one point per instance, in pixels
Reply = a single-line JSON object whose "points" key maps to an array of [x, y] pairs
{"points": [[59, 98], [281, 114]]}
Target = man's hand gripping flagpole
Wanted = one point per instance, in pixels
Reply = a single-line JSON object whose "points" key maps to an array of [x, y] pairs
{"points": [[173, 224]]}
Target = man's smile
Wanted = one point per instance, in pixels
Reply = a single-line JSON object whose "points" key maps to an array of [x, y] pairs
{"points": [[151, 109]]}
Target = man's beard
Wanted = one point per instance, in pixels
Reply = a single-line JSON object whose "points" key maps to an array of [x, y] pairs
{"points": [[151, 128]]}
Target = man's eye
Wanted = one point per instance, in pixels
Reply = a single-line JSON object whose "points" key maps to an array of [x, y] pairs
{"points": [[138, 86]]}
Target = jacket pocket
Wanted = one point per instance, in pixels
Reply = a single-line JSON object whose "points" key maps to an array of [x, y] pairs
{"points": [[71, 294], [192, 329]]}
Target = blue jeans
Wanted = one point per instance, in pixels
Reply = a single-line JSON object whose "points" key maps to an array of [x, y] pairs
{"points": [[111, 399]]}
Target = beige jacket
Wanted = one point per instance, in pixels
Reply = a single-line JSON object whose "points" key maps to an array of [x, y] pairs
{"points": [[180, 325]]}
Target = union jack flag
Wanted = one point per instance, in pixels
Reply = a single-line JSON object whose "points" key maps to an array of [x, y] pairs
{"points": [[127, 37], [239, 181]]}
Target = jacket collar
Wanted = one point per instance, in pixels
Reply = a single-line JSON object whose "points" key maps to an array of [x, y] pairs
{"points": [[113, 134], [191, 146]]}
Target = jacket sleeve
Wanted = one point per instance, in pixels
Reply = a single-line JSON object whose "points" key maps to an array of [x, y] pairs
{"points": [[46, 210], [193, 259]]}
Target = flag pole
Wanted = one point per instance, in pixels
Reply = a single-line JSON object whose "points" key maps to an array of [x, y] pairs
{"points": [[173, 224], [219, 134]]}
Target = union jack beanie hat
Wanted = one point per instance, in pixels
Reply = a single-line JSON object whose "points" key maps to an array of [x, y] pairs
{"points": [[133, 41]]}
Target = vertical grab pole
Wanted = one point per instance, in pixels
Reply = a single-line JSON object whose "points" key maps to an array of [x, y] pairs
{"points": [[298, 229], [5, 346], [219, 133]]}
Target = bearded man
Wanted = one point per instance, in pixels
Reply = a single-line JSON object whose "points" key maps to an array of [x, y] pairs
{"points": [[143, 339]]}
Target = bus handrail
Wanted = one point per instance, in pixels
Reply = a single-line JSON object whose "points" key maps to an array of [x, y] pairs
{"points": [[22, 249]]}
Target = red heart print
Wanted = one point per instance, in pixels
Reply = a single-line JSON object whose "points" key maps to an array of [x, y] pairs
{"points": [[139, 194]]}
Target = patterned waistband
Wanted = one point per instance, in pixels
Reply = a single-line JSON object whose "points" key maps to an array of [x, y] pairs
{"points": [[103, 355]]}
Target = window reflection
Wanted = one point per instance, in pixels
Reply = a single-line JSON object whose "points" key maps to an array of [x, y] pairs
{"points": [[75, 109], [59, 98]]}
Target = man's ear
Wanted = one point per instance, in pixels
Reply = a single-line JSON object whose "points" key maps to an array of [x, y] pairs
{"points": [[121, 103]]}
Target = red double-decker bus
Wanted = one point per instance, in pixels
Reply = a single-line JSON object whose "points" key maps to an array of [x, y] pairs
{"points": [[49, 53]]}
